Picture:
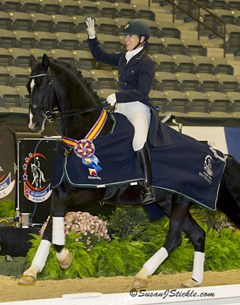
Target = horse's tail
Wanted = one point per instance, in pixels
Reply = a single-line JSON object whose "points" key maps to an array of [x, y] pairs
{"points": [[229, 193], [41, 176]]}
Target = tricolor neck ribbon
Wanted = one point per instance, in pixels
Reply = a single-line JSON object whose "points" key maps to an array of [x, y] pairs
{"points": [[84, 148]]}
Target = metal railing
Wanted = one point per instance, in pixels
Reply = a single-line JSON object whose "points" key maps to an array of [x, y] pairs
{"points": [[195, 11]]}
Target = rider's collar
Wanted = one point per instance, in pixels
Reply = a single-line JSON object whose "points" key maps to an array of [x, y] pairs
{"points": [[132, 53]]}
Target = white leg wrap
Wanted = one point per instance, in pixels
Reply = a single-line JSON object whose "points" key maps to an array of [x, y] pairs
{"points": [[155, 261], [198, 266], [41, 255], [58, 236]]}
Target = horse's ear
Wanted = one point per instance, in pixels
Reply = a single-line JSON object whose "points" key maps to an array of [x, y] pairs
{"points": [[45, 61], [32, 61]]}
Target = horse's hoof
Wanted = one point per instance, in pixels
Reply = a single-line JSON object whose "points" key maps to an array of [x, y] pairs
{"points": [[139, 283], [190, 284], [64, 264], [141, 279], [27, 280]]}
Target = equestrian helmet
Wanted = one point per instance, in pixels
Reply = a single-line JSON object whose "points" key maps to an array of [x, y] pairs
{"points": [[136, 27]]}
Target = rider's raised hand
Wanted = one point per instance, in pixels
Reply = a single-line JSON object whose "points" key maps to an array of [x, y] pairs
{"points": [[90, 22]]}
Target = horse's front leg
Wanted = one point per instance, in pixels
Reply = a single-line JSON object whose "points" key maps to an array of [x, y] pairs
{"points": [[58, 211], [29, 276], [179, 210]]}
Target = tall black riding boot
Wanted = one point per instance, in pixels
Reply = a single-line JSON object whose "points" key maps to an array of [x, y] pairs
{"points": [[144, 159]]}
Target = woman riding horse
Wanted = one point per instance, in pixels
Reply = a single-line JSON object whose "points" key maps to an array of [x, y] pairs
{"points": [[136, 76], [192, 171]]}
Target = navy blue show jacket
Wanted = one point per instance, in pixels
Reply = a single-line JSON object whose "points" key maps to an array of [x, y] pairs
{"points": [[136, 78]]}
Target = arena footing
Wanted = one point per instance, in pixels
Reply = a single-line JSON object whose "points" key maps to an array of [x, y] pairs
{"points": [[214, 295]]}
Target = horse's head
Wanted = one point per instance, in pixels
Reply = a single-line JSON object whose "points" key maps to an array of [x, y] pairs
{"points": [[55, 85], [41, 93]]}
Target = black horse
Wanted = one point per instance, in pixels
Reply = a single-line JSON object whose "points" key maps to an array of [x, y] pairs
{"points": [[59, 91]]}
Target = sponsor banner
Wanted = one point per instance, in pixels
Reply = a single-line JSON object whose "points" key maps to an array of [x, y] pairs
{"points": [[35, 176], [6, 185], [7, 165]]}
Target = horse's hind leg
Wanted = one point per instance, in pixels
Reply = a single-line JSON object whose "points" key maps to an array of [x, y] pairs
{"points": [[197, 237], [229, 193], [29, 276], [179, 210]]}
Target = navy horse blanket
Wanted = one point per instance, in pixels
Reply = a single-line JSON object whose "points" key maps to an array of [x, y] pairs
{"points": [[180, 164]]}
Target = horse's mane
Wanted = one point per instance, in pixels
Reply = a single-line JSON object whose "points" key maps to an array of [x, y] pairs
{"points": [[78, 74]]}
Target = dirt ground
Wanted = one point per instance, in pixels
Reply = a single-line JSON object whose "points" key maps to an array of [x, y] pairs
{"points": [[11, 291]]}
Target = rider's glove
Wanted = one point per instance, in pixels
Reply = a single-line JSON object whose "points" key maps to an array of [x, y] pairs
{"points": [[111, 99], [91, 27]]}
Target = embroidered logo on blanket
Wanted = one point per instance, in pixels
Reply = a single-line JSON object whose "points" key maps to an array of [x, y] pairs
{"points": [[207, 173]]}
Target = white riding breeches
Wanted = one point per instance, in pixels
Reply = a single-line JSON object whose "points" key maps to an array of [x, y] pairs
{"points": [[139, 115]]}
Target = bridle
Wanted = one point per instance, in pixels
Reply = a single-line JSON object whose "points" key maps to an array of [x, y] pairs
{"points": [[47, 114], [50, 115]]}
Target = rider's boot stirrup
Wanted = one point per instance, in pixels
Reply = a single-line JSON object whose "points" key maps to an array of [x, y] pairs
{"points": [[144, 159]]}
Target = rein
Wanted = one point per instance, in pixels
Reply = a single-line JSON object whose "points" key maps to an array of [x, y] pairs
{"points": [[73, 112]]}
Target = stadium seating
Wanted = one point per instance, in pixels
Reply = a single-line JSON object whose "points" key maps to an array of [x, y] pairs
{"points": [[10, 5], [106, 25], [233, 4], [234, 98], [104, 79], [186, 77], [198, 103], [62, 55], [5, 21], [18, 76], [172, 45], [20, 21], [6, 58], [108, 9], [177, 102], [168, 29], [159, 100], [7, 39], [203, 64], [89, 8], [30, 6], [164, 62], [187, 81], [8, 97], [41, 22], [79, 23], [4, 76], [184, 63], [50, 7], [228, 83], [208, 82], [45, 40], [63, 23], [219, 104], [25, 39], [70, 7], [83, 60]]}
